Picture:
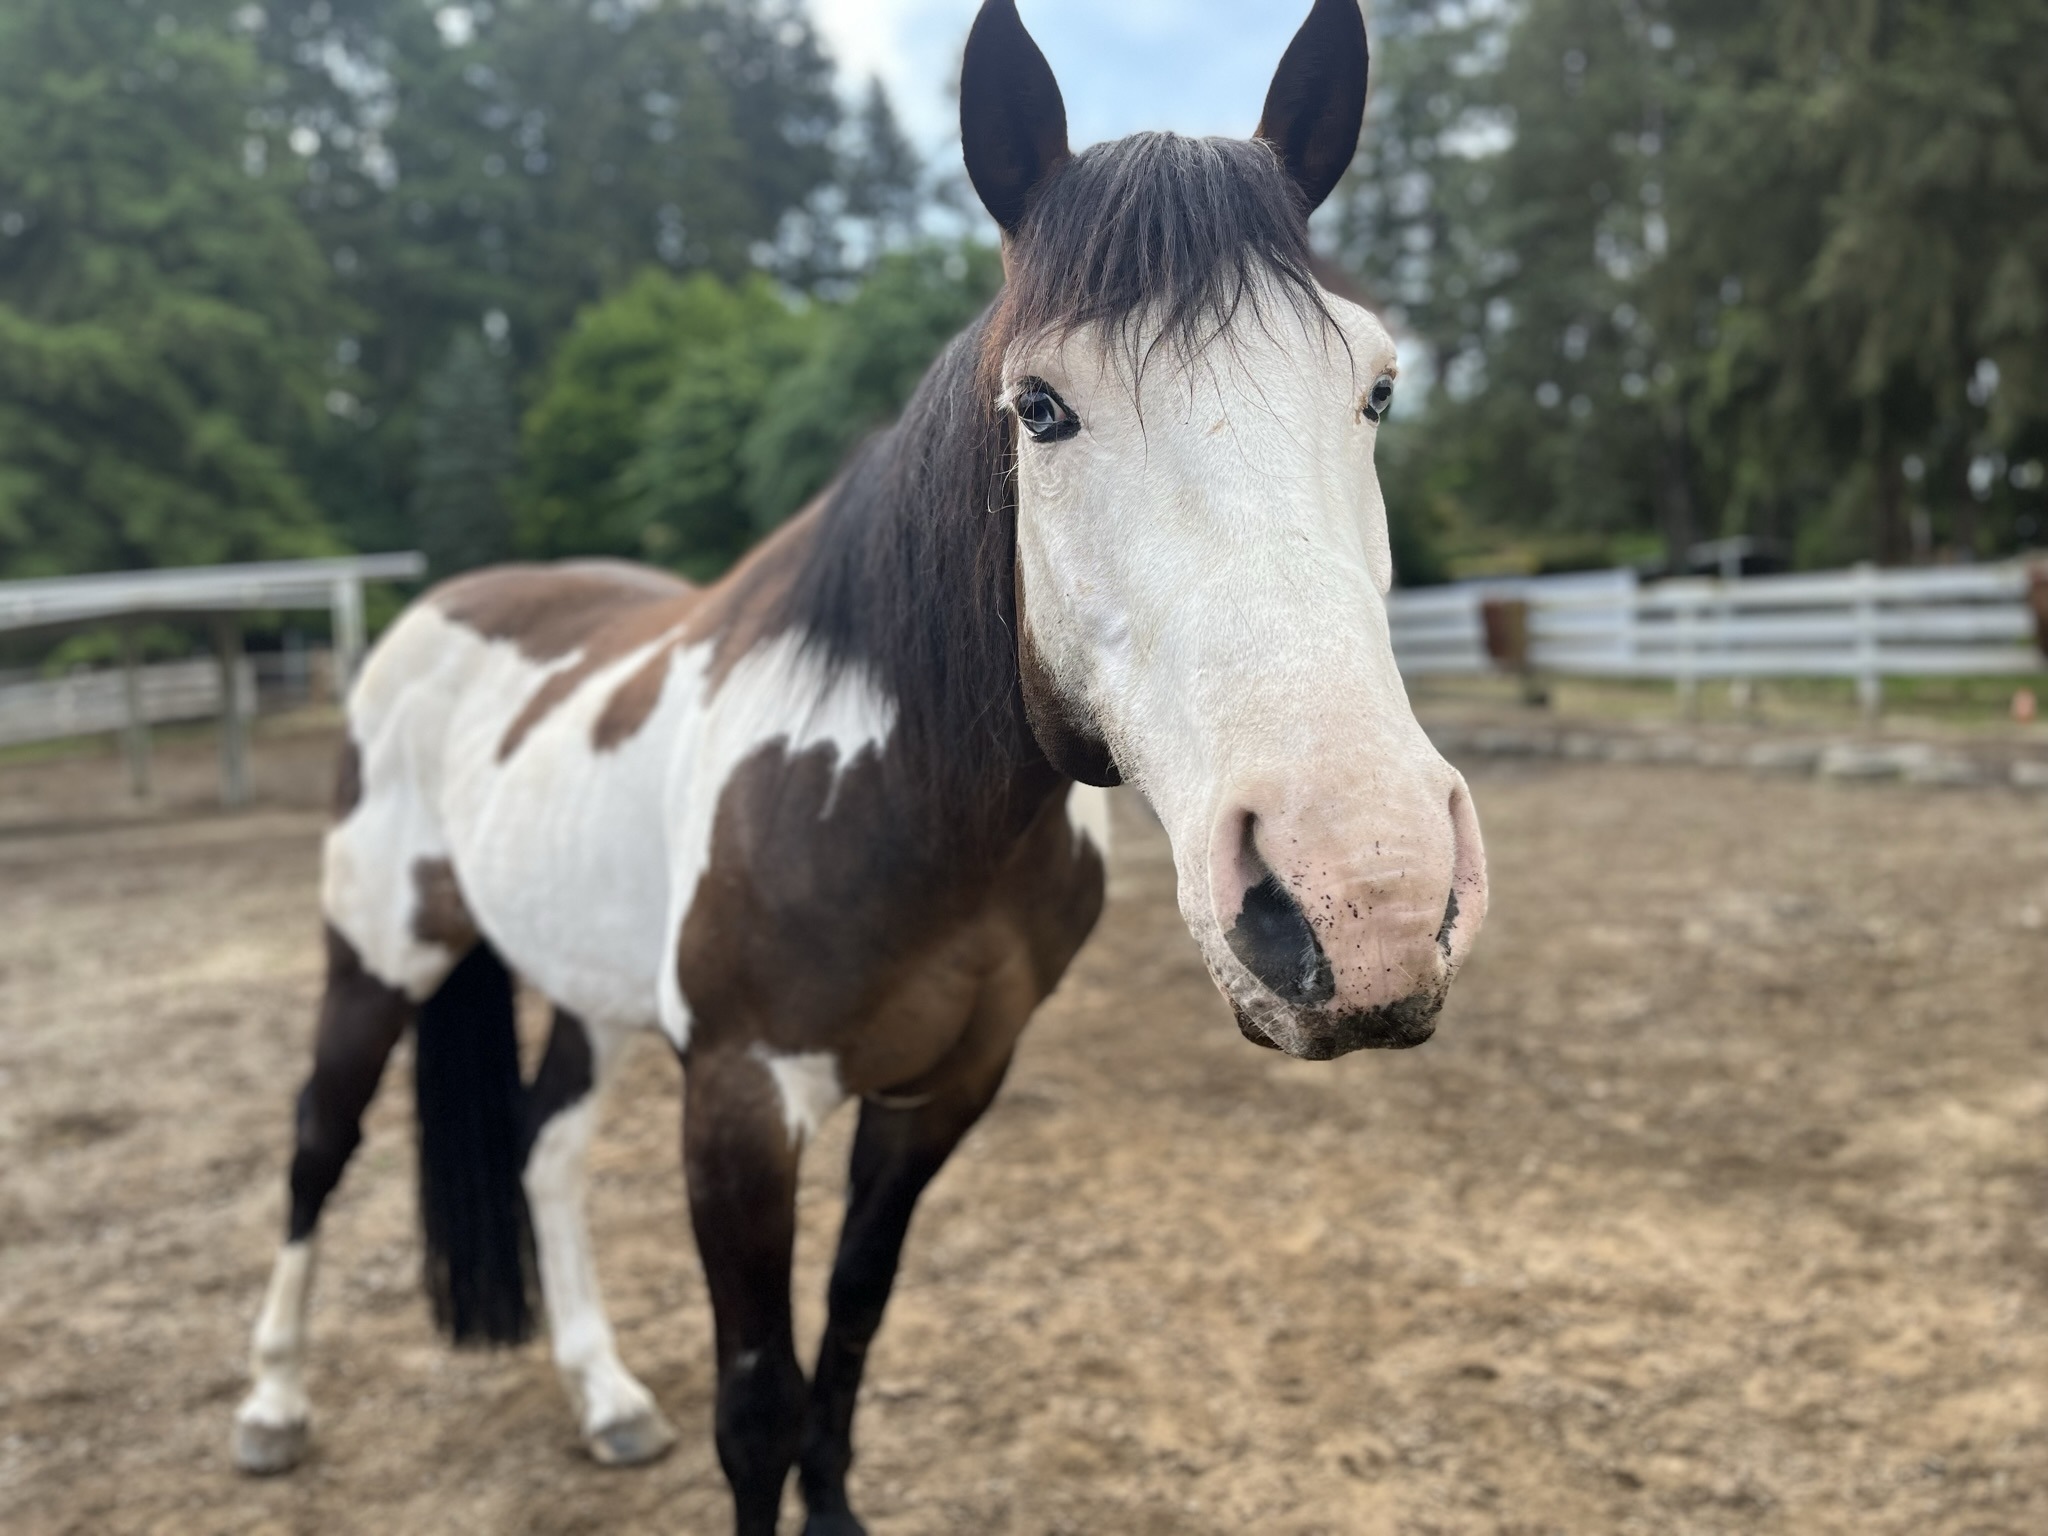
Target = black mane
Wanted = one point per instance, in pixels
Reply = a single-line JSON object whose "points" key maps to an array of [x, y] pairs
{"points": [[1159, 235], [912, 570]]}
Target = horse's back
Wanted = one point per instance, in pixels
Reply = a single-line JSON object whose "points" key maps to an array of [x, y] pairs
{"points": [[493, 773]]}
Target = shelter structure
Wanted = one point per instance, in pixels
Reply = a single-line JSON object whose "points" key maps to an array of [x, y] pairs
{"points": [[221, 596]]}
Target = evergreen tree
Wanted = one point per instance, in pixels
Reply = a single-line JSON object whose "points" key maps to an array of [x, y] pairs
{"points": [[524, 160], [1692, 268], [468, 454], [161, 308]]}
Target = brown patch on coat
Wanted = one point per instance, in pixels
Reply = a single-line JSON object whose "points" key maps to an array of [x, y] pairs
{"points": [[633, 629], [440, 915], [736, 612], [552, 611], [633, 702], [812, 932], [348, 779]]}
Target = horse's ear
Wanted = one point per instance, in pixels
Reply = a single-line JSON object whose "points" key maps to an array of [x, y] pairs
{"points": [[1316, 106], [1013, 124]]}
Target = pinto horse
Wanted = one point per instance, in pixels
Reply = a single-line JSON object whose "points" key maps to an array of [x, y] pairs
{"points": [[820, 823]]}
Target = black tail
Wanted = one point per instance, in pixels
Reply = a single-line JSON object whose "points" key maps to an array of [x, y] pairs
{"points": [[479, 1270]]}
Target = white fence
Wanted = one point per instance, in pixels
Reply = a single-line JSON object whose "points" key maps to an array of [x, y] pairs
{"points": [[123, 596], [130, 701], [96, 703], [1866, 624]]}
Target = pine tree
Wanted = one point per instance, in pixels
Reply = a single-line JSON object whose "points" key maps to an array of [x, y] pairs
{"points": [[161, 308], [1705, 267], [468, 454]]}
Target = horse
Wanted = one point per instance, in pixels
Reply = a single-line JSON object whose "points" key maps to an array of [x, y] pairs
{"points": [[835, 824]]}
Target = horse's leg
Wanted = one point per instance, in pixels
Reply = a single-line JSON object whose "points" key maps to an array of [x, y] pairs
{"points": [[896, 1152], [619, 1420], [360, 1021], [740, 1159]]}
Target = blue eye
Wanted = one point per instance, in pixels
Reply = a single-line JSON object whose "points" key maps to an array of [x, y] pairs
{"points": [[1380, 400], [1044, 415]]}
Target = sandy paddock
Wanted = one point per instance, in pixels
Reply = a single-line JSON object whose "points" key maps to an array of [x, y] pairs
{"points": [[1719, 1204]]}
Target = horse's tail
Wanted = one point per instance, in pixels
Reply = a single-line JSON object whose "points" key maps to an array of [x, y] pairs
{"points": [[479, 1239]]}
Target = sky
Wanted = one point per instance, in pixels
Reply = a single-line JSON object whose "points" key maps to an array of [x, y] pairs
{"points": [[1195, 66]]}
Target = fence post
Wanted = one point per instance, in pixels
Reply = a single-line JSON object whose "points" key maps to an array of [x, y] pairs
{"points": [[1869, 672], [348, 633], [234, 721], [1688, 661], [135, 728]]}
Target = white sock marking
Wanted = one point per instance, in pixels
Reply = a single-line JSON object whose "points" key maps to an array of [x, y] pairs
{"points": [[278, 1351], [603, 1391]]}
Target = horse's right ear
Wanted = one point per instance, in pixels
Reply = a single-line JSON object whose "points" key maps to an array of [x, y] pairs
{"points": [[1013, 124], [1316, 107]]}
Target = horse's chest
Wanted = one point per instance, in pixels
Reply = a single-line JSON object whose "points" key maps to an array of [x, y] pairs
{"points": [[821, 926]]}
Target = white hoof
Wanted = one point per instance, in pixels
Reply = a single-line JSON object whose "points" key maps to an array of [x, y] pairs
{"points": [[265, 1450], [633, 1442]]}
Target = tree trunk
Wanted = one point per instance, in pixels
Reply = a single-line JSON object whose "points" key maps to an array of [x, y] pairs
{"points": [[1888, 508], [1680, 513]]}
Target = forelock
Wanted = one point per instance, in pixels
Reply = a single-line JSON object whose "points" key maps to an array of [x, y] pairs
{"points": [[1157, 242]]}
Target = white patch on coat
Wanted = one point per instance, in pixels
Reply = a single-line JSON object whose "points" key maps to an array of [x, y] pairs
{"points": [[809, 1087], [1226, 631], [427, 716], [278, 1351], [560, 847], [1089, 815], [578, 865], [604, 1392]]}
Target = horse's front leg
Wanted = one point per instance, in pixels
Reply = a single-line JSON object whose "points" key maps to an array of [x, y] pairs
{"points": [[740, 1158], [899, 1147]]}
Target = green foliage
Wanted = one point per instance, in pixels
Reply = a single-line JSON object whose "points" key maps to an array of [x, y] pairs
{"points": [[525, 160], [241, 246], [683, 419], [865, 361], [160, 305], [1707, 267], [694, 354], [468, 454]]}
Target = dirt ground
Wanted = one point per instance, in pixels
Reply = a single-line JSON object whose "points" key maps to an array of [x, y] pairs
{"points": [[1719, 1204]]}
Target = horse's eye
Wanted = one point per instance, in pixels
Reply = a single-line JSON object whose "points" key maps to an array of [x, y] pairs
{"points": [[1380, 399], [1044, 414]]}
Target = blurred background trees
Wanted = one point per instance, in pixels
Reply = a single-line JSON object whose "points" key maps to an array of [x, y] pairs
{"points": [[1696, 269], [630, 277]]}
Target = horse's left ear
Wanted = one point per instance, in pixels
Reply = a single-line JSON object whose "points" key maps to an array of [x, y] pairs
{"points": [[1316, 106]]}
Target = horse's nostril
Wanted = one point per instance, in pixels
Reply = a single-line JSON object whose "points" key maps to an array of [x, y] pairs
{"points": [[1276, 943], [1443, 934]]}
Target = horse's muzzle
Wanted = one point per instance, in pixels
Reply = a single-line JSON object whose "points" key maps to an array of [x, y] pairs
{"points": [[1323, 1036]]}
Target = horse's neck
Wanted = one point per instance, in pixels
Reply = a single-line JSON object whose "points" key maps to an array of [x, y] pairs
{"points": [[889, 576]]}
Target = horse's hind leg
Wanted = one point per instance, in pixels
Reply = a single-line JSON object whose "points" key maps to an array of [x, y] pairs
{"points": [[619, 1419], [361, 1019]]}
